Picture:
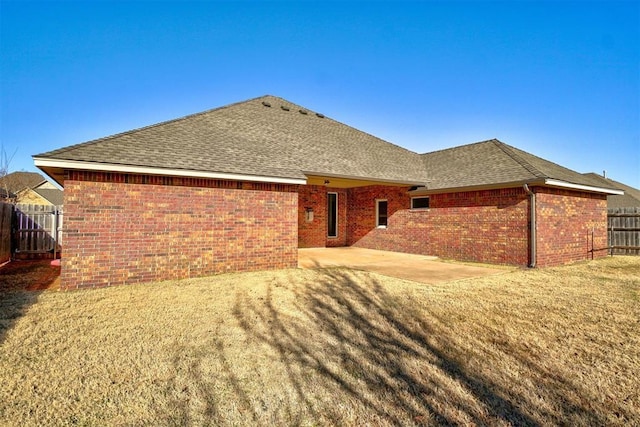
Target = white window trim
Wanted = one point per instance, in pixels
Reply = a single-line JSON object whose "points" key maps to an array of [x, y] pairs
{"points": [[420, 209], [337, 216], [378, 213]]}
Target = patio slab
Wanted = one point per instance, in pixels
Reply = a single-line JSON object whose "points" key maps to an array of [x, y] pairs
{"points": [[419, 268]]}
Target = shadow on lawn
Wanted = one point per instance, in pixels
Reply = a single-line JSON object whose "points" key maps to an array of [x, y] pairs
{"points": [[13, 305], [349, 352], [21, 283], [373, 348]]}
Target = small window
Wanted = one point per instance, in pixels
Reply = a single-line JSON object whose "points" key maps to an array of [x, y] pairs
{"points": [[420, 203], [381, 213]]}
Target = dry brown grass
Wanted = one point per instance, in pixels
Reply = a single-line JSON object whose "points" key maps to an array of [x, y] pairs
{"points": [[330, 347]]}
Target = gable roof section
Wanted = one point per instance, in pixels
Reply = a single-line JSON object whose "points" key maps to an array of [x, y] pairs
{"points": [[493, 163], [18, 181], [630, 198], [52, 195], [266, 138]]}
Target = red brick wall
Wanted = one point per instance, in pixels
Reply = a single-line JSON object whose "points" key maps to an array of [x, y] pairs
{"points": [[483, 226], [565, 223], [362, 217], [127, 228], [313, 234]]}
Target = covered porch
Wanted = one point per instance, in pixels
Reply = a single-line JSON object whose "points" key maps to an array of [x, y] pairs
{"points": [[338, 211]]}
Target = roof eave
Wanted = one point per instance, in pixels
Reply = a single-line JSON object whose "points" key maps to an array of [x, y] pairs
{"points": [[480, 187], [582, 187], [51, 166], [546, 182], [365, 178]]}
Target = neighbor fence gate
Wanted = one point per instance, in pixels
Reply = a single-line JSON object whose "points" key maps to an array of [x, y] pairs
{"points": [[37, 230], [624, 231]]}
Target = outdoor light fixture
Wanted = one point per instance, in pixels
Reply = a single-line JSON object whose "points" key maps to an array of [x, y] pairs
{"points": [[308, 214]]}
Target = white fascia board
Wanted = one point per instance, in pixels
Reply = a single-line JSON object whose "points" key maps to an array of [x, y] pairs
{"points": [[563, 184], [144, 170]]}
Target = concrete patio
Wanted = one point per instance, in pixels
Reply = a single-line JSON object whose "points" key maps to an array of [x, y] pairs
{"points": [[418, 268]]}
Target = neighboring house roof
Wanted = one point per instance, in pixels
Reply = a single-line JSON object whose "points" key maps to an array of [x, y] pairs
{"points": [[267, 137], [494, 163], [630, 198], [52, 195], [18, 181], [271, 139]]}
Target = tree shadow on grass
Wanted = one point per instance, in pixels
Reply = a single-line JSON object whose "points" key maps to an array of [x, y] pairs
{"points": [[13, 305], [345, 350], [400, 365], [193, 382], [21, 283]]}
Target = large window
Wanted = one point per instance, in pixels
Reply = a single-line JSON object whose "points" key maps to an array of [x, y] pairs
{"points": [[332, 214], [381, 213], [420, 202]]}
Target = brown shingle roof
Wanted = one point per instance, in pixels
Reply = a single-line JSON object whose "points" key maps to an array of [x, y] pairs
{"points": [[18, 181], [52, 195], [272, 137], [265, 136], [490, 163], [630, 198]]}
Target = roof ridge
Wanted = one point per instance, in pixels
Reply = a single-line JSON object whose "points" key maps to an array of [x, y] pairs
{"points": [[458, 146], [507, 149], [131, 131]]}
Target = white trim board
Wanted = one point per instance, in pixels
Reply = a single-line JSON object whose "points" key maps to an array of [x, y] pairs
{"points": [[145, 170]]}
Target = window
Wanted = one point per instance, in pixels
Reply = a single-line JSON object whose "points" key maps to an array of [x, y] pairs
{"points": [[332, 214], [420, 202], [381, 213]]}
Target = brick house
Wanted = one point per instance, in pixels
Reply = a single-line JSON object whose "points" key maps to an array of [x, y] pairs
{"points": [[242, 187]]}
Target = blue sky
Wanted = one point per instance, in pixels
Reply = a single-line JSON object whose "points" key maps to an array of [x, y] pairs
{"points": [[558, 79]]}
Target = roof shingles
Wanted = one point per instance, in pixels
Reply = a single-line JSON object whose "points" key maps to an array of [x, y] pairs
{"points": [[493, 163], [251, 138], [270, 137], [18, 181]]}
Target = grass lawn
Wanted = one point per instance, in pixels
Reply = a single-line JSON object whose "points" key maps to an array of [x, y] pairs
{"points": [[329, 347]]}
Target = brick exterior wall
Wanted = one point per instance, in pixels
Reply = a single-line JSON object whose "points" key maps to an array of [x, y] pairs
{"points": [[313, 234], [569, 225], [483, 226], [121, 228], [362, 217]]}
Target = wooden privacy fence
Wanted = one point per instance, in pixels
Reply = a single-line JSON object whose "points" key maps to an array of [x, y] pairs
{"points": [[6, 215], [624, 231], [37, 230]]}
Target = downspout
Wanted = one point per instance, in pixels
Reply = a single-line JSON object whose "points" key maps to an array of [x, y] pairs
{"points": [[532, 242]]}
